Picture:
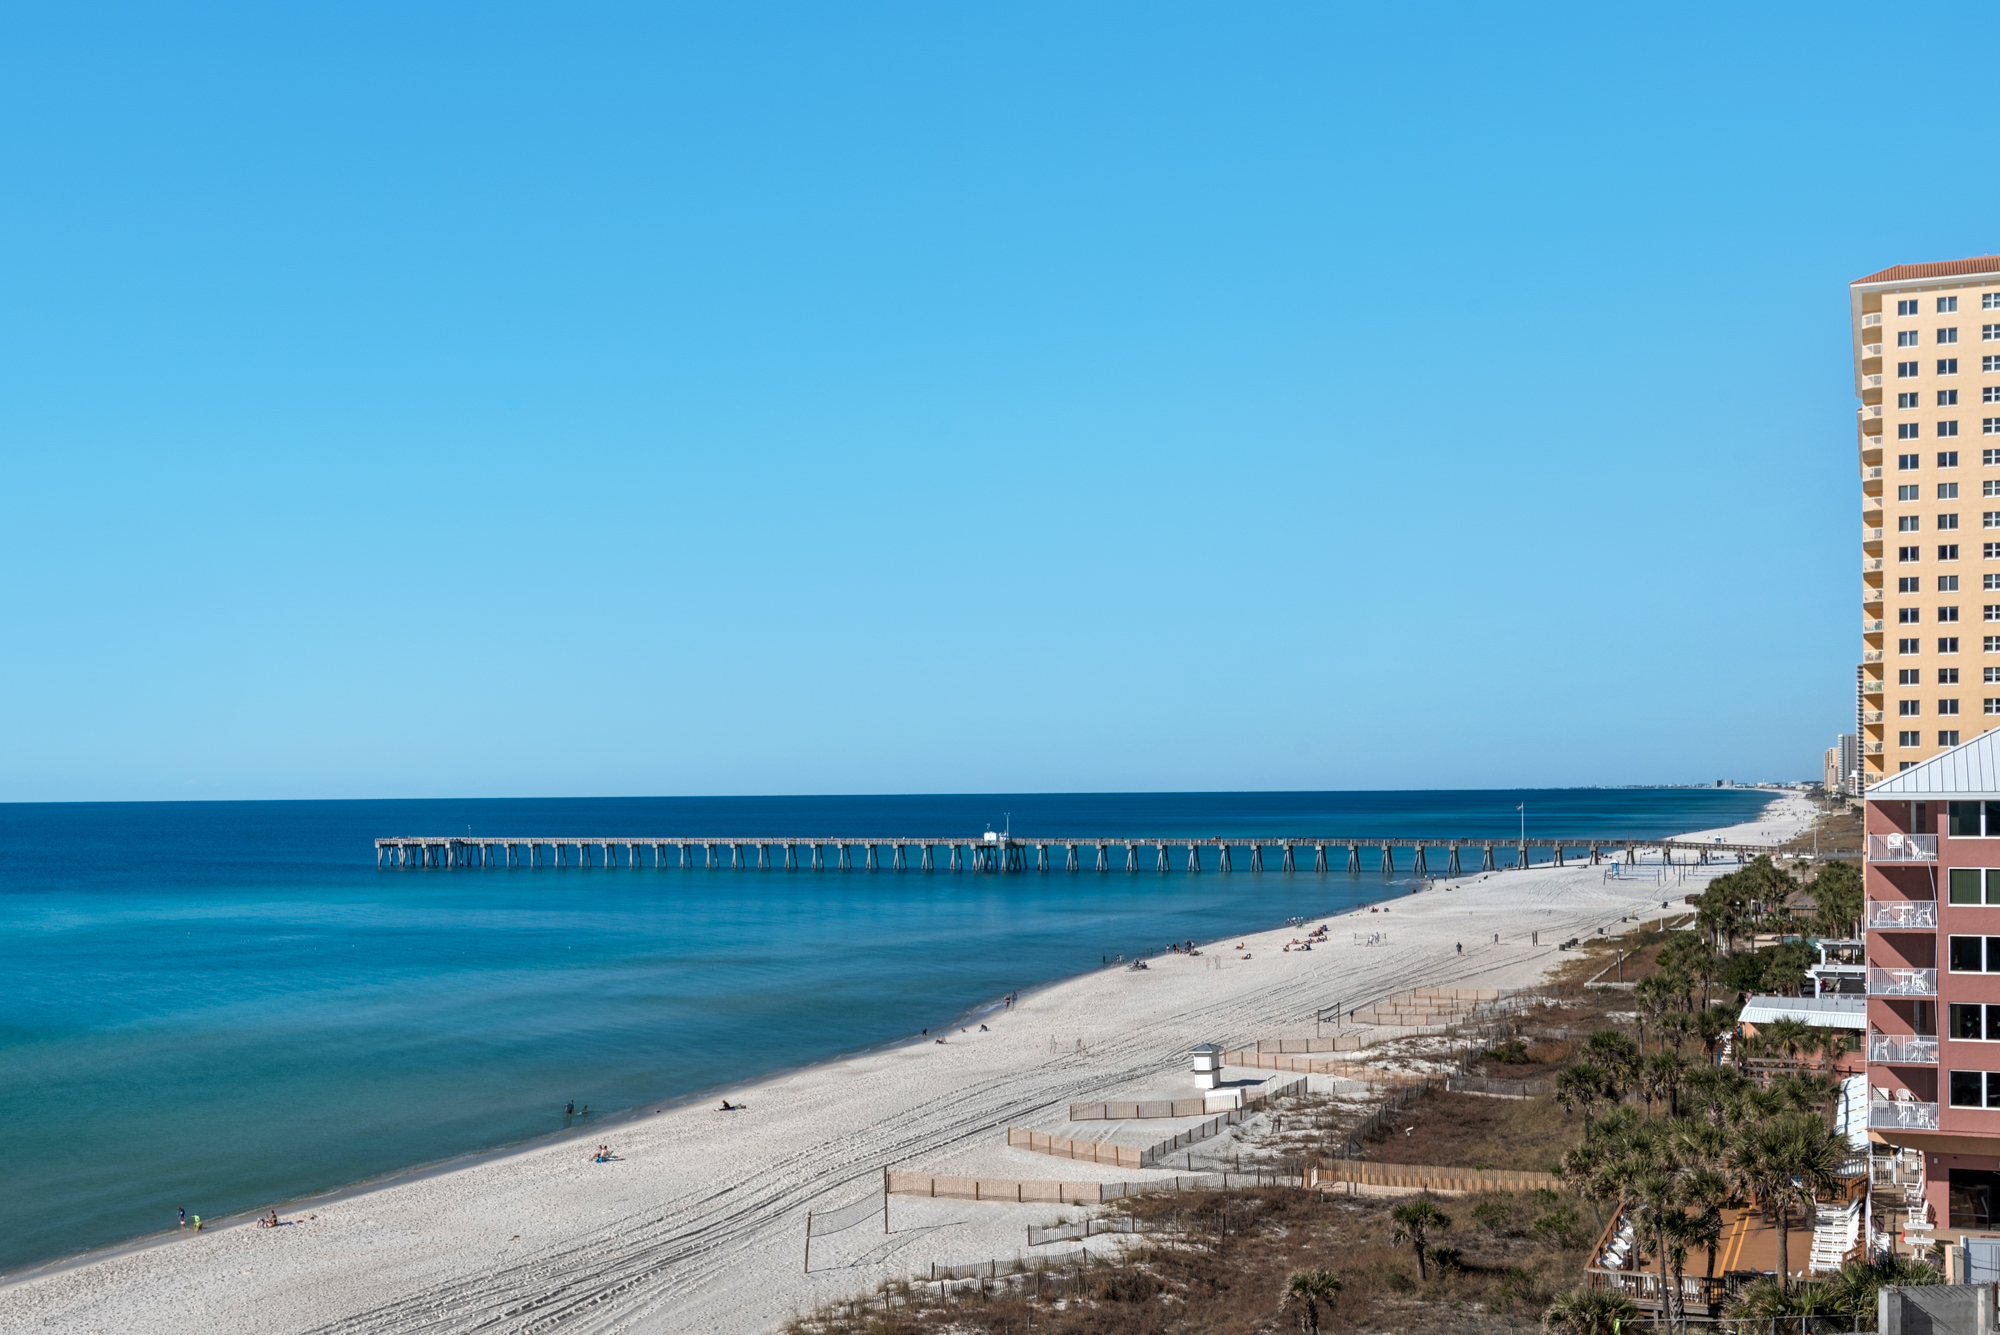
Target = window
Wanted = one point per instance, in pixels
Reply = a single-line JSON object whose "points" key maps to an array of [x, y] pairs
{"points": [[1986, 364], [1971, 1195], [1907, 339], [1993, 581], [1908, 740], [1991, 426], [1906, 308], [1947, 491], [1947, 584], [1908, 370], [1908, 430], [1947, 429], [1948, 708], [1947, 522], [1948, 738], [1947, 336], [1989, 332], [1909, 584], [1991, 457], [1908, 400], [1989, 301], [1911, 647], [1908, 523], [1991, 394], [1974, 885], [1947, 398], [1969, 954], [1990, 487], [1992, 644], [1909, 708], [1947, 614], [1947, 676], [1947, 305], [1913, 554], [1909, 491], [1949, 550], [1908, 616], [1909, 676], [1902, 765], [1993, 676], [1948, 644], [1948, 458], [1992, 705], [1947, 366], [1906, 462], [1993, 611]]}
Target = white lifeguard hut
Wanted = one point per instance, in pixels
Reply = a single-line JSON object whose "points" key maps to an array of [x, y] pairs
{"points": [[1207, 1059]]}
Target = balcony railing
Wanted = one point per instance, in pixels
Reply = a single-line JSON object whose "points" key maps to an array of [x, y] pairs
{"points": [[1872, 627], [1903, 1049], [1871, 349], [1871, 716], [1896, 915], [1871, 748], [1871, 535], [1891, 1115], [1872, 381], [1902, 848], [1872, 563], [1871, 655], [1870, 321], [1871, 686], [1873, 409], [1902, 982]]}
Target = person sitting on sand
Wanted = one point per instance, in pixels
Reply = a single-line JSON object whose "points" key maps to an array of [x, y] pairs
{"points": [[984, 1030], [727, 1106]]}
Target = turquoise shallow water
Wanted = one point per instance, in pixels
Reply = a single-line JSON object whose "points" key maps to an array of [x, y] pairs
{"points": [[225, 1005]]}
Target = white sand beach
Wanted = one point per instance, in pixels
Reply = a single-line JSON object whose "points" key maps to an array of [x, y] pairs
{"points": [[698, 1222]]}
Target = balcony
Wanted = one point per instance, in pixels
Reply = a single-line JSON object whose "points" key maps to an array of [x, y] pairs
{"points": [[1902, 982], [1903, 1049], [1871, 686], [1871, 410], [1871, 533], [1871, 515], [1872, 627], [1902, 848], [1896, 1115], [1871, 349], [1872, 716], [1870, 563], [1871, 748], [1872, 381], [1899, 915], [1871, 655], [1870, 321], [1872, 474]]}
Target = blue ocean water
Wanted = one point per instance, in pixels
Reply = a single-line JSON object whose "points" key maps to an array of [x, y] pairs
{"points": [[220, 1006]]}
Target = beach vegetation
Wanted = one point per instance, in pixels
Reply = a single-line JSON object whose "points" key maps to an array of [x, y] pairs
{"points": [[1415, 1220]]}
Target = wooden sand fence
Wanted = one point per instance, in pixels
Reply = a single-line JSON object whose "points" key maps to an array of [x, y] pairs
{"points": [[1080, 1193], [1136, 1156], [1428, 1177]]}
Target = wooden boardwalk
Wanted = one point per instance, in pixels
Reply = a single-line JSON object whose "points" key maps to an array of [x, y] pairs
{"points": [[1013, 853]]}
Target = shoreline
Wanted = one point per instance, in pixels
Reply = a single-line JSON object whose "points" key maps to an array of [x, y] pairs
{"points": [[451, 1203]]}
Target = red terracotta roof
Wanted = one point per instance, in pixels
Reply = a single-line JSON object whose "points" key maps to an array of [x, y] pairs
{"points": [[1944, 269]]}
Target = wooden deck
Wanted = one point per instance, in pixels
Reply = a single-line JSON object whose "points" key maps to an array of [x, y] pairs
{"points": [[1748, 1249]]}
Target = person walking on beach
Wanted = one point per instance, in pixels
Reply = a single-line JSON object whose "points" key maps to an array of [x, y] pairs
{"points": [[197, 1223], [184, 1217]]}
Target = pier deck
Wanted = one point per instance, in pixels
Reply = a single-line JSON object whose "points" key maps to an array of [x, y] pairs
{"points": [[1012, 853]]}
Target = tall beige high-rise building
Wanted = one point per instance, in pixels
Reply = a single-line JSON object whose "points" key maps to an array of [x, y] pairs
{"points": [[1927, 370]]}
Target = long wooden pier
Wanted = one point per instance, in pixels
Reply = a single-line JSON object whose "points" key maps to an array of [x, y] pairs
{"points": [[1013, 853]]}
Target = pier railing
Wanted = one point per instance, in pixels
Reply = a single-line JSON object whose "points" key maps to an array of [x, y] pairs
{"points": [[1422, 855]]}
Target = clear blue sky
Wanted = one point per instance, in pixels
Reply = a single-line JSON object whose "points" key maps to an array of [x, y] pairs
{"points": [[485, 399]]}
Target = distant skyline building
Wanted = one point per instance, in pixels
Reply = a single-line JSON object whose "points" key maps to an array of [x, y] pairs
{"points": [[1841, 760], [1927, 371]]}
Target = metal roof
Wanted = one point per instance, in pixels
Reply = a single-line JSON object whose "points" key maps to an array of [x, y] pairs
{"points": [[1970, 769], [1820, 1012]]}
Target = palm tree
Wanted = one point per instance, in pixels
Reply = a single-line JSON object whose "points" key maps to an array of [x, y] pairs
{"points": [[1789, 1036], [1786, 1160], [1582, 1087], [1415, 1220], [1680, 1231], [1308, 1289], [1662, 1075], [1589, 1312], [1579, 1172]]}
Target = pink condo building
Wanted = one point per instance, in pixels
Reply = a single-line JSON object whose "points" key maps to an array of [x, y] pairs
{"points": [[1933, 979]]}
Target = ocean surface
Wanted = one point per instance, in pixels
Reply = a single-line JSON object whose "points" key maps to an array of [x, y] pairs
{"points": [[225, 1005]]}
